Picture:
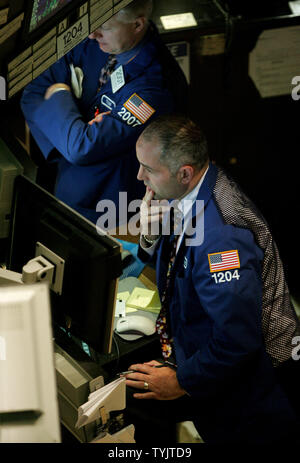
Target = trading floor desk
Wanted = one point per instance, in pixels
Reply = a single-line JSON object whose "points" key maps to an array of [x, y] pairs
{"points": [[80, 370]]}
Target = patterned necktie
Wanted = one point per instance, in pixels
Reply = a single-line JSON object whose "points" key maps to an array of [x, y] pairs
{"points": [[107, 70], [161, 322]]}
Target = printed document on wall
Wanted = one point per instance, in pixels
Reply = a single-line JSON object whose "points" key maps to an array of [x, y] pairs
{"points": [[275, 61]]}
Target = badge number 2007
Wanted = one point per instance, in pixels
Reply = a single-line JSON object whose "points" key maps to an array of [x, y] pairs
{"points": [[223, 277], [129, 118]]}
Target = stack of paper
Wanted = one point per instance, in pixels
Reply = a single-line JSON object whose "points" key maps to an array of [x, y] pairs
{"points": [[112, 397], [141, 299]]}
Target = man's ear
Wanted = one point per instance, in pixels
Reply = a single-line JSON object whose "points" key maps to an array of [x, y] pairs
{"points": [[139, 24], [185, 174]]}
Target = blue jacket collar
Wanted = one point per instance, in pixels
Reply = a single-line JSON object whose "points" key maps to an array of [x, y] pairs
{"points": [[208, 184], [125, 57], [140, 57]]}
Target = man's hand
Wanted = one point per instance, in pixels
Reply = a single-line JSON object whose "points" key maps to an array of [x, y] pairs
{"points": [[152, 212], [53, 88], [162, 382], [99, 117]]}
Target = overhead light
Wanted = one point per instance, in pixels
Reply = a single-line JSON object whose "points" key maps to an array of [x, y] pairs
{"points": [[176, 21]]}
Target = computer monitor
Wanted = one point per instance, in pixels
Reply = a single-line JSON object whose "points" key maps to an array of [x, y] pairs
{"points": [[10, 167], [14, 161], [42, 10], [89, 260], [28, 394]]}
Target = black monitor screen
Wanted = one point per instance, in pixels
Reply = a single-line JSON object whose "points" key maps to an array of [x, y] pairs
{"points": [[92, 261], [43, 10]]}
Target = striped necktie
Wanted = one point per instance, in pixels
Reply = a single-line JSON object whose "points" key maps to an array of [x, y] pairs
{"points": [[107, 70], [161, 322]]}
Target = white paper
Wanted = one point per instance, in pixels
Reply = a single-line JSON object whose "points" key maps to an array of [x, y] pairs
{"points": [[295, 7], [275, 61], [112, 397]]}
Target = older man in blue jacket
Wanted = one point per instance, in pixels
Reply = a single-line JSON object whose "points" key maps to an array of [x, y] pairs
{"points": [[87, 111], [227, 327]]}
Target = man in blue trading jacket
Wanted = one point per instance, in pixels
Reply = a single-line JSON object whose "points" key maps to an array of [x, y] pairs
{"points": [[87, 116], [228, 329]]}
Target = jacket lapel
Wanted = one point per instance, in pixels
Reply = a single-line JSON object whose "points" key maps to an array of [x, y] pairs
{"points": [[204, 196], [194, 234]]}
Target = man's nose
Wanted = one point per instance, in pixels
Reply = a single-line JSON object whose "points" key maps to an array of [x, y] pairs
{"points": [[96, 34], [140, 173]]}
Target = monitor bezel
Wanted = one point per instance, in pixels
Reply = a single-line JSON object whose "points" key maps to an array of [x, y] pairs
{"points": [[30, 308], [23, 186], [51, 22]]}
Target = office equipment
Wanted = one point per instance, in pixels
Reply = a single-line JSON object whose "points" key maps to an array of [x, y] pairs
{"points": [[86, 261], [134, 327], [13, 161], [9, 169], [41, 12], [108, 398], [146, 306], [124, 373], [74, 384], [28, 402]]}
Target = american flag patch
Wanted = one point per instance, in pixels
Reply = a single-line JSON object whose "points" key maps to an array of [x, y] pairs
{"points": [[220, 261], [139, 108]]}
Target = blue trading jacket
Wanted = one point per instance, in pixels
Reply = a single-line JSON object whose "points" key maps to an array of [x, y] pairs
{"points": [[216, 322], [97, 162]]}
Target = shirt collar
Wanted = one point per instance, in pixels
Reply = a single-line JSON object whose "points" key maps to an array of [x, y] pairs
{"points": [[127, 56]]}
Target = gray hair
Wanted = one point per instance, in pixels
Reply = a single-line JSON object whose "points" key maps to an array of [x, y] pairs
{"points": [[182, 142], [134, 10]]}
